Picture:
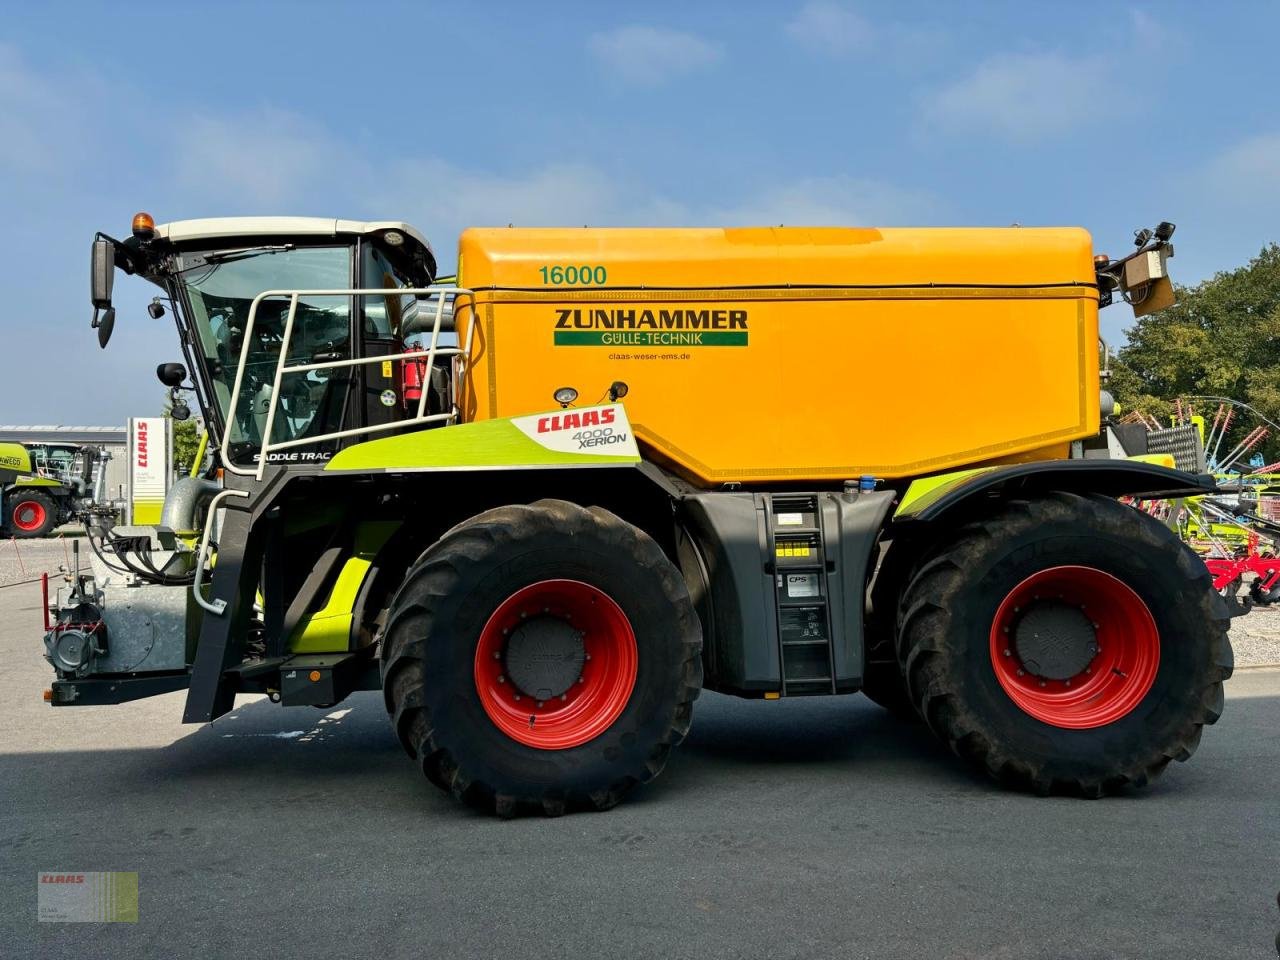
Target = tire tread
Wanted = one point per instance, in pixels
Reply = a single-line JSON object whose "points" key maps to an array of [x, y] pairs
{"points": [[924, 631], [436, 573]]}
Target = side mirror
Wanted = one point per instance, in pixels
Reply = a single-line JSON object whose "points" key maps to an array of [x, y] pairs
{"points": [[171, 374], [105, 324], [102, 273]]}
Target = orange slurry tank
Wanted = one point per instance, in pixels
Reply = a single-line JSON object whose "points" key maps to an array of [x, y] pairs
{"points": [[790, 354]]}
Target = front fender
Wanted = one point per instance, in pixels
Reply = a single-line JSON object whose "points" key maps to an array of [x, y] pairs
{"points": [[930, 498], [572, 437]]}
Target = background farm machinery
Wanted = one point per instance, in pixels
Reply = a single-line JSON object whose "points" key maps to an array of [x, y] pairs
{"points": [[45, 485], [1238, 530]]}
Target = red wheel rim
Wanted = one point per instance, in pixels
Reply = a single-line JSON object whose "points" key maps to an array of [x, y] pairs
{"points": [[593, 701], [1118, 676], [29, 515]]}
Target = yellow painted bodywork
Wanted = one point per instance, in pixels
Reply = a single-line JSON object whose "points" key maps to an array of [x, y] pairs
{"points": [[16, 457], [1159, 459], [201, 449], [927, 489], [824, 354], [328, 630]]}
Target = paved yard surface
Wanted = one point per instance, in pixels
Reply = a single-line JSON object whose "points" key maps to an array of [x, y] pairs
{"points": [[807, 828]]}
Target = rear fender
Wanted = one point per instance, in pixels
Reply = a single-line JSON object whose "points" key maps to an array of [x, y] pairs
{"points": [[931, 498]]}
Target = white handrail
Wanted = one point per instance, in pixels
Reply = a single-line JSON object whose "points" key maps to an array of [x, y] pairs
{"points": [[283, 367], [216, 607]]}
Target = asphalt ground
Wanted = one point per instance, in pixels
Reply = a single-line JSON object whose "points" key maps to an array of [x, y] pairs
{"points": [[803, 828]]}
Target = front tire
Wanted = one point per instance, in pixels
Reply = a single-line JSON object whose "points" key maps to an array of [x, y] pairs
{"points": [[32, 513], [542, 658], [884, 685], [1065, 644]]}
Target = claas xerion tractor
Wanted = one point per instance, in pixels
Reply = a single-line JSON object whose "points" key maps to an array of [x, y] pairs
{"points": [[542, 508]]}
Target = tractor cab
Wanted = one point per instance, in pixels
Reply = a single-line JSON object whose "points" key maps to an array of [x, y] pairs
{"points": [[298, 370]]}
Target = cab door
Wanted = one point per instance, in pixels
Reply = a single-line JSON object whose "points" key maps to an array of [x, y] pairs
{"points": [[382, 324]]}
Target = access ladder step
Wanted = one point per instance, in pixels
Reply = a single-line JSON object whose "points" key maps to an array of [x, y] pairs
{"points": [[799, 560]]}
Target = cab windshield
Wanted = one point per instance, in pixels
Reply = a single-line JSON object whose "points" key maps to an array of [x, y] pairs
{"points": [[219, 288]]}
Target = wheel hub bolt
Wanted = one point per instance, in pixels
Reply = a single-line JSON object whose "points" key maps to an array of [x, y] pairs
{"points": [[502, 679]]}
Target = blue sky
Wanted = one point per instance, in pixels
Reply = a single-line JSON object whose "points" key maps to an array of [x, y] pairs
{"points": [[446, 115]]}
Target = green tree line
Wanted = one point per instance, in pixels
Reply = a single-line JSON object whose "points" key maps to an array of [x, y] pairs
{"points": [[1222, 338]]}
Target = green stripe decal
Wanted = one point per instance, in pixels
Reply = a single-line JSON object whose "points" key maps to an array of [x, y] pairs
{"points": [[650, 338], [929, 490]]}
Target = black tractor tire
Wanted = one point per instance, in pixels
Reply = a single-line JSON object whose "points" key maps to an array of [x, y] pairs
{"points": [[1262, 597], [948, 639], [885, 686], [31, 513], [438, 620]]}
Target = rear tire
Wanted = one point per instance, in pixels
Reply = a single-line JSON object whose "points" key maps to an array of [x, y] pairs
{"points": [[558, 582], [32, 513], [1150, 669]]}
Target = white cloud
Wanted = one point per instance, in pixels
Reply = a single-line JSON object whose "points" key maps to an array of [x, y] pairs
{"points": [[443, 199], [299, 169], [830, 27], [1247, 172], [40, 126], [830, 201], [57, 138], [1153, 36], [253, 161], [1023, 96], [649, 56], [550, 195]]}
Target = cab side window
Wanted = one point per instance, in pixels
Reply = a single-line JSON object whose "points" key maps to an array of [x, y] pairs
{"points": [[385, 317]]}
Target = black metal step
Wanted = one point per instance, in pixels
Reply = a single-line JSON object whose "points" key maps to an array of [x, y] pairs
{"points": [[809, 685]]}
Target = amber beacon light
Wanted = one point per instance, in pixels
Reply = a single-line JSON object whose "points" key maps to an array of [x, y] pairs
{"points": [[144, 226]]}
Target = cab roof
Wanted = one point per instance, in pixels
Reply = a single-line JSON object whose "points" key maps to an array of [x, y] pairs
{"points": [[210, 228]]}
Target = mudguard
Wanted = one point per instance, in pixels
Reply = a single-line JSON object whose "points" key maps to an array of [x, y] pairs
{"points": [[930, 498]]}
